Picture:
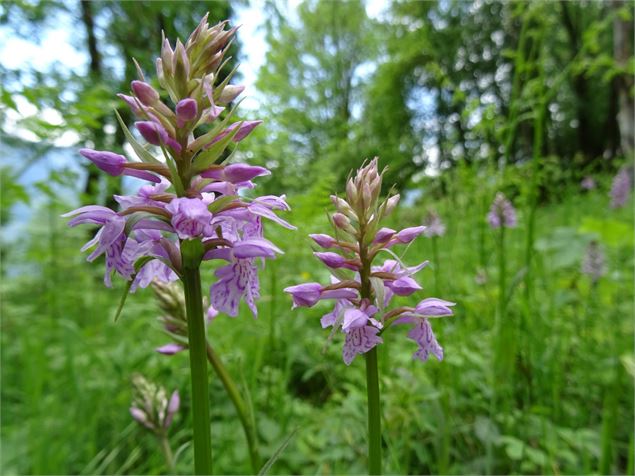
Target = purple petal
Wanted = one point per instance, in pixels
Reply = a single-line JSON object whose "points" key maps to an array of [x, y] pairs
{"points": [[265, 212], [236, 173], [360, 341], [239, 279], [422, 334], [433, 307], [343, 293], [109, 162], [173, 407], [383, 235], [408, 234], [170, 349], [141, 417], [353, 319], [254, 248], [305, 295], [142, 174], [403, 286]]}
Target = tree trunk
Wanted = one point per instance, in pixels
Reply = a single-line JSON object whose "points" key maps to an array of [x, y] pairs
{"points": [[622, 52], [91, 188]]}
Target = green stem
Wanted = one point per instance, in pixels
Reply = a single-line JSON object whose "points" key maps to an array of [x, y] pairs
{"points": [[502, 274], [167, 452], [244, 414], [374, 417], [191, 252], [372, 374]]}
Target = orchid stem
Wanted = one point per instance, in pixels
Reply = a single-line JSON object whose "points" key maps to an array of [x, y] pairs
{"points": [[372, 374], [167, 453], [374, 415], [244, 413], [191, 252]]}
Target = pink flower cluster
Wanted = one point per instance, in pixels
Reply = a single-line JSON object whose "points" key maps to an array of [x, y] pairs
{"points": [[193, 195], [363, 290]]}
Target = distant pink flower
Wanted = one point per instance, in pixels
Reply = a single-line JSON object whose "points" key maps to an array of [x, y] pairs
{"points": [[502, 213], [621, 188], [588, 183]]}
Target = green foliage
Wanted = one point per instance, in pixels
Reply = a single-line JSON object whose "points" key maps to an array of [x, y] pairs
{"points": [[67, 365], [311, 84]]}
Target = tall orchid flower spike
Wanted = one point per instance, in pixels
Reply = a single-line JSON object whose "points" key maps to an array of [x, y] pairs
{"points": [[364, 288], [194, 211]]}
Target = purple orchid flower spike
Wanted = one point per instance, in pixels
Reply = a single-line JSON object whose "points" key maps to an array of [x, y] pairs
{"points": [[434, 225], [621, 187], [363, 291], [195, 212], [370, 288], [502, 213]]}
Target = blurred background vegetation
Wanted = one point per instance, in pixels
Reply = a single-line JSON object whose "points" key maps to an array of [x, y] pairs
{"points": [[459, 100]]}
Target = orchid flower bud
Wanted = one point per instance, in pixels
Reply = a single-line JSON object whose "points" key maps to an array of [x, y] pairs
{"points": [[325, 241], [156, 134], [343, 207], [146, 94], [342, 222], [181, 68], [167, 58], [186, 111], [351, 191], [391, 204], [230, 92]]}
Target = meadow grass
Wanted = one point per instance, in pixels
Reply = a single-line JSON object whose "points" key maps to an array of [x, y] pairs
{"points": [[551, 393]]}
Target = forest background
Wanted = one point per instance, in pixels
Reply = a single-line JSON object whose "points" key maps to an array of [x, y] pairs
{"points": [[459, 100]]}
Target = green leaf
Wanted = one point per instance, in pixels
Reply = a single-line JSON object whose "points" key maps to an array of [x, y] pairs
{"points": [[611, 232], [122, 301], [141, 152], [136, 217], [209, 135], [218, 90], [211, 155], [137, 266], [220, 203], [513, 447], [267, 466]]}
